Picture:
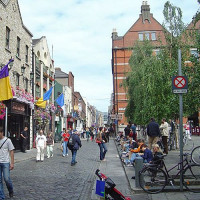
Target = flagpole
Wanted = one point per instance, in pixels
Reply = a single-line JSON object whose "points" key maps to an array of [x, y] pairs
{"points": [[6, 122]]}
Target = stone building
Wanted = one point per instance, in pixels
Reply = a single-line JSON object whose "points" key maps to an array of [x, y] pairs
{"points": [[43, 78], [16, 43]]}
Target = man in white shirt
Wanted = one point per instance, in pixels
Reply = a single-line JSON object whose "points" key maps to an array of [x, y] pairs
{"points": [[40, 145], [6, 154]]}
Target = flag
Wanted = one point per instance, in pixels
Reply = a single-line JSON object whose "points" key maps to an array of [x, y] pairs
{"points": [[100, 188], [42, 101], [60, 100], [47, 94], [5, 87]]}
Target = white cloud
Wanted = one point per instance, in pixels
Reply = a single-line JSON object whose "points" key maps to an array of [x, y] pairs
{"points": [[80, 32]]}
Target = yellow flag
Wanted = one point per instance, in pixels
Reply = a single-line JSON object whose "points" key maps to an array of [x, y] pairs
{"points": [[41, 103]]}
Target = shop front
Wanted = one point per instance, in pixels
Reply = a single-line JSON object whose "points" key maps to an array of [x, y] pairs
{"points": [[18, 118], [70, 121]]}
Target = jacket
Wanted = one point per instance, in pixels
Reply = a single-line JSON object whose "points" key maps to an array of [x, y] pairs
{"points": [[164, 129], [137, 150], [148, 156], [76, 141], [153, 129]]}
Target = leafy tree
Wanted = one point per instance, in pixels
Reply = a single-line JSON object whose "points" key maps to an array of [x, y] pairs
{"points": [[149, 82]]}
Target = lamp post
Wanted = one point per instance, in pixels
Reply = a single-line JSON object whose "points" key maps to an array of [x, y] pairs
{"points": [[115, 87]]}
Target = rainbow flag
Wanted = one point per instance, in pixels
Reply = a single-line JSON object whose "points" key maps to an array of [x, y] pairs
{"points": [[5, 87]]}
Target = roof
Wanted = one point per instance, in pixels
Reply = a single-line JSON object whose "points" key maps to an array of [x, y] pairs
{"points": [[60, 74]]}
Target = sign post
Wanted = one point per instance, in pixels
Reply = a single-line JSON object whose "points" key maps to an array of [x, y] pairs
{"points": [[180, 86]]}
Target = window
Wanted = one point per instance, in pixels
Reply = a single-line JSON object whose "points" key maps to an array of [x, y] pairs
{"points": [[153, 36], [26, 56], [194, 52], [17, 80], [146, 36], [26, 82], [140, 36], [18, 47], [7, 38]]}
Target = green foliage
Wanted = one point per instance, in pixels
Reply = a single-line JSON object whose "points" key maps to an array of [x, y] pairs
{"points": [[149, 82], [149, 85]]}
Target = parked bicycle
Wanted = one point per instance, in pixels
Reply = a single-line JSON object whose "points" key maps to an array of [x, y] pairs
{"points": [[111, 193], [195, 155], [154, 177]]}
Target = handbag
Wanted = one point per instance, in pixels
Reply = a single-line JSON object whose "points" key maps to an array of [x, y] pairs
{"points": [[98, 141]]}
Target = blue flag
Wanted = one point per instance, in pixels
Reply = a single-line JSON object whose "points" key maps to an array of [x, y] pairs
{"points": [[100, 188], [47, 94], [60, 100]]}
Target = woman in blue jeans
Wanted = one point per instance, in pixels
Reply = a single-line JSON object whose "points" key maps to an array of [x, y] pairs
{"points": [[102, 145]]}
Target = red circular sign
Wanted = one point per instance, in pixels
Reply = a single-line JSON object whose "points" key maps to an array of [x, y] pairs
{"points": [[180, 82]]}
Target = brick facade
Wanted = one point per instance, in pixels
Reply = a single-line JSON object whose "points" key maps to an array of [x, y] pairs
{"points": [[145, 27]]}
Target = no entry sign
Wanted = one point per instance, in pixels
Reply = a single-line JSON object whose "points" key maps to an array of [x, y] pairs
{"points": [[179, 84]]}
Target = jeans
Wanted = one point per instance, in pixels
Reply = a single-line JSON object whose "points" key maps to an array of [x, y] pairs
{"points": [[65, 149], [133, 156], [103, 150], [5, 170], [74, 152]]}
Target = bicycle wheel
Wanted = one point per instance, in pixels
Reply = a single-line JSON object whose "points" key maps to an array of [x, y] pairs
{"points": [[191, 178], [195, 155], [152, 180]]}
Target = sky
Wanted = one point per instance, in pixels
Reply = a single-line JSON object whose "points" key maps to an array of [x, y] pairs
{"points": [[80, 33]]}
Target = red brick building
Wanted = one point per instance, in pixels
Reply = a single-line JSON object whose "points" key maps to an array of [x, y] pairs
{"points": [[146, 27]]}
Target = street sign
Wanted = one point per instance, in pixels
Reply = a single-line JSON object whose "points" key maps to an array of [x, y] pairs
{"points": [[179, 84], [116, 116]]}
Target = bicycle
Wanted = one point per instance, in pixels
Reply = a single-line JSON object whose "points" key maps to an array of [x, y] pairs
{"points": [[171, 141], [111, 193], [154, 177], [195, 155]]}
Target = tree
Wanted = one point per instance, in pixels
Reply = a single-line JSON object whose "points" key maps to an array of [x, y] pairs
{"points": [[149, 82], [149, 85]]}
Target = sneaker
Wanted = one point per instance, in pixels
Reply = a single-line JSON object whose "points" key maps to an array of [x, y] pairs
{"points": [[72, 164], [63, 155], [67, 154], [48, 156], [129, 165], [52, 155], [104, 160]]}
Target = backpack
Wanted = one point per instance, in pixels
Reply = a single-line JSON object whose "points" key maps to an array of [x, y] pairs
{"points": [[70, 143]]}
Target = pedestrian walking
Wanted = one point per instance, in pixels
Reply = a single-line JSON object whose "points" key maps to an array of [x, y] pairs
{"points": [[91, 134], [6, 163], [87, 134], [187, 130], [127, 130], [50, 144], [65, 137], [153, 132], [23, 139], [40, 145], [165, 134], [102, 144], [76, 144], [133, 128]]}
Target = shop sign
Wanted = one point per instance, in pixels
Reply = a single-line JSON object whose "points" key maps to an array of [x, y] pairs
{"points": [[18, 108]]}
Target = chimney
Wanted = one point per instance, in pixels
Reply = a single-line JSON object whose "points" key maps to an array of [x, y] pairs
{"points": [[114, 34], [145, 10]]}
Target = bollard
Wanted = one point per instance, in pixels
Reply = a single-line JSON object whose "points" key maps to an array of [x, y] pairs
{"points": [[138, 167]]}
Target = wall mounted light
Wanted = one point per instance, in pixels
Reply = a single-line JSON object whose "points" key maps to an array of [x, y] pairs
{"points": [[23, 69]]}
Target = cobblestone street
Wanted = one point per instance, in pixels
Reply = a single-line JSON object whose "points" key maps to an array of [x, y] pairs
{"points": [[55, 178]]}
